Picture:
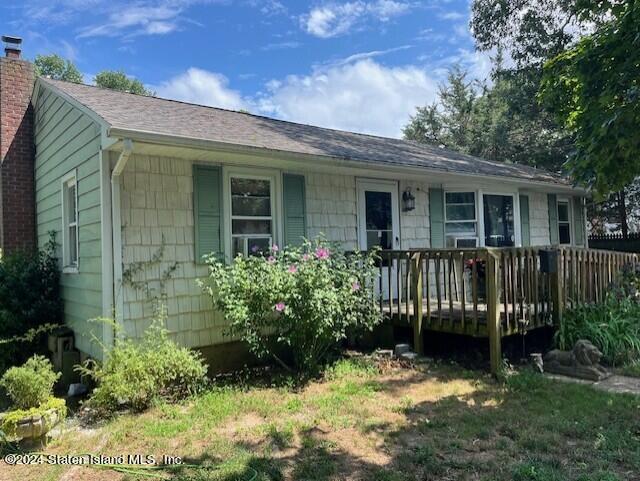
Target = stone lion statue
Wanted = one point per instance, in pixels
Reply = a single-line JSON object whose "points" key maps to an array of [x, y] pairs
{"points": [[582, 361]]}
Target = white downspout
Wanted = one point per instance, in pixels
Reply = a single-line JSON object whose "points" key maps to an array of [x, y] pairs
{"points": [[116, 182]]}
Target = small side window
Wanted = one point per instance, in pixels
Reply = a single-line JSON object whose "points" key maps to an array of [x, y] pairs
{"points": [[69, 224], [564, 222]]}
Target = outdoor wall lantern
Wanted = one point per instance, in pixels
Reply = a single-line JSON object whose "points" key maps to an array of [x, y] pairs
{"points": [[408, 200]]}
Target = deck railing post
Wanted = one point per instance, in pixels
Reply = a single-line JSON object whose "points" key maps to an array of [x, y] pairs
{"points": [[493, 314], [556, 285], [416, 277]]}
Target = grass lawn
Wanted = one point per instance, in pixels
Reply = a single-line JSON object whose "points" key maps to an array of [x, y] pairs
{"points": [[371, 421]]}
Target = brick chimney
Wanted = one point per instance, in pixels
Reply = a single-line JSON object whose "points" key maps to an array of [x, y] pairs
{"points": [[17, 196]]}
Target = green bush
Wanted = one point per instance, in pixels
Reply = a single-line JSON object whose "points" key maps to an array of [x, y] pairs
{"points": [[135, 374], [31, 384], [300, 301], [29, 298], [612, 326]]}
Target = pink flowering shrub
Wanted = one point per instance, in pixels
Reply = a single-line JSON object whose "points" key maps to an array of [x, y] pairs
{"points": [[296, 304]]}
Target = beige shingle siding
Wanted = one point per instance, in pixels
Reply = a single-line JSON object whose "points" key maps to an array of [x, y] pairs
{"points": [[538, 219], [414, 225], [332, 208], [157, 203]]}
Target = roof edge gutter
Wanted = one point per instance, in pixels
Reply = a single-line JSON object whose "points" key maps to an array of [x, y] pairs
{"points": [[197, 143]]}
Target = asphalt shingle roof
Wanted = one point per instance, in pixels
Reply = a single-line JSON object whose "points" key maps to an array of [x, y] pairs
{"points": [[169, 117]]}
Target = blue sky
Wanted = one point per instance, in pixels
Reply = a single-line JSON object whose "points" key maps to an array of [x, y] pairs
{"points": [[361, 65]]}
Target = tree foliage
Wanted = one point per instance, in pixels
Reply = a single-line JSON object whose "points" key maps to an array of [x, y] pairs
{"points": [[57, 68], [498, 122], [118, 80], [533, 31], [594, 90], [619, 212], [446, 122]]}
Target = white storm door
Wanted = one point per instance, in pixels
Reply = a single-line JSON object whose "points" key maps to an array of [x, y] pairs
{"points": [[378, 224]]}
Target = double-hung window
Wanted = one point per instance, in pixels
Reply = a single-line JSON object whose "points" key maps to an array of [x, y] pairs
{"points": [[70, 223], [461, 224], [564, 222], [252, 210]]}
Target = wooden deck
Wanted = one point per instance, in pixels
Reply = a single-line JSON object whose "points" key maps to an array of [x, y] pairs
{"points": [[492, 292], [452, 318]]}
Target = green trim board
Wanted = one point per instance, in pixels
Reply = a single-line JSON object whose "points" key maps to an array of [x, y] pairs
{"points": [[579, 221], [525, 224], [552, 201]]}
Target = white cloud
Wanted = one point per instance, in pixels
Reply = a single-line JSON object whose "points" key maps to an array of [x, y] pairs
{"points": [[333, 19], [363, 96], [136, 20], [202, 87], [452, 15], [364, 55]]}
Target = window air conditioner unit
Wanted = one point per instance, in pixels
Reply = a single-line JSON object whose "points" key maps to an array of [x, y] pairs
{"points": [[462, 242]]}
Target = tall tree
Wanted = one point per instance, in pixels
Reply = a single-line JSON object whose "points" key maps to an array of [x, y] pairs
{"points": [[497, 122], [446, 122], [118, 80], [594, 90], [57, 68]]}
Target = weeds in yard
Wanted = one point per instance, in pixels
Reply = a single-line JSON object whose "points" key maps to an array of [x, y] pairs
{"points": [[347, 426]]}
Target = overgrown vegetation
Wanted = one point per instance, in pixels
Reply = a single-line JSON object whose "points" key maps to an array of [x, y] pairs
{"points": [[29, 299], [613, 326], [31, 384], [297, 303], [136, 373], [30, 388]]}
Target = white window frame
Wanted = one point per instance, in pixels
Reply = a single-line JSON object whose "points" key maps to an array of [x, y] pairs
{"points": [[275, 179], [69, 267], [476, 220], [565, 200]]}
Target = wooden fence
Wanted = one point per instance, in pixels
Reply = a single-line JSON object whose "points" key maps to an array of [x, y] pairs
{"points": [[616, 242], [491, 292]]}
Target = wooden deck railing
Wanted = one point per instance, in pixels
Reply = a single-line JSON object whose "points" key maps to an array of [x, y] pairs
{"points": [[491, 292]]}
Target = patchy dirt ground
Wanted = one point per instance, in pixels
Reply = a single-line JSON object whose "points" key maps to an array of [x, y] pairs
{"points": [[370, 421]]}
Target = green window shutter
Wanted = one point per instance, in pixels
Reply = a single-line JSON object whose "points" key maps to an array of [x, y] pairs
{"points": [[525, 228], [207, 208], [293, 200], [553, 218], [436, 217], [578, 221]]}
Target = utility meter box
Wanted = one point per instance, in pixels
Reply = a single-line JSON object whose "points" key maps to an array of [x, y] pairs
{"points": [[549, 261]]}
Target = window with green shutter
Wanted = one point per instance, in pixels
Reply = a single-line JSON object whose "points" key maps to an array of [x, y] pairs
{"points": [[207, 207], [293, 201]]}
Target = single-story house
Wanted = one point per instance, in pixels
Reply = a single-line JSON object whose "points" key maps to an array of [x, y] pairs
{"points": [[120, 177]]}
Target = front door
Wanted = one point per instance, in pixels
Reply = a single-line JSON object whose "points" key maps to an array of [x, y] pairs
{"points": [[499, 225], [378, 223]]}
